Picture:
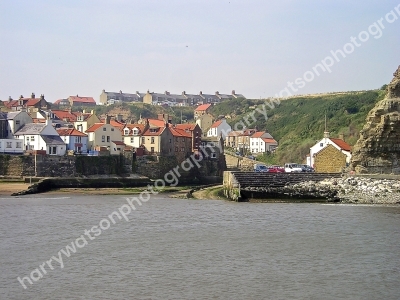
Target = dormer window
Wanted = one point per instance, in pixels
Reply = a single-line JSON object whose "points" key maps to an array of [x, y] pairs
{"points": [[79, 118], [135, 131], [126, 131]]}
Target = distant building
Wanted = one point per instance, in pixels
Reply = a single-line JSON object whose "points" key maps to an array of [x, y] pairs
{"points": [[329, 160], [219, 128], [28, 103], [81, 101], [108, 98], [74, 139], [338, 143]]}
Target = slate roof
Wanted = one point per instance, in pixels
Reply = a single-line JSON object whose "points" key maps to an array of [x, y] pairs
{"points": [[52, 140], [31, 128], [12, 115]]}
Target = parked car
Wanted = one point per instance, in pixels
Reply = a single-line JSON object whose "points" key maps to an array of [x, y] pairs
{"points": [[260, 168], [238, 153], [251, 157], [307, 168], [276, 169], [293, 168]]}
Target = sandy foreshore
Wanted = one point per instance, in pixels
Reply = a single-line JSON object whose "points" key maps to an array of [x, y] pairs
{"points": [[7, 188]]}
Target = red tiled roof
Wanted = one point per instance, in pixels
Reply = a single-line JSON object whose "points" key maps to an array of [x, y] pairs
{"points": [[37, 120], [188, 126], [64, 114], [216, 124], [156, 122], [154, 131], [11, 103], [179, 132], [82, 99], [119, 143], [32, 102], [342, 144], [235, 133], [258, 134], [69, 132], [202, 107], [94, 127], [270, 141]]}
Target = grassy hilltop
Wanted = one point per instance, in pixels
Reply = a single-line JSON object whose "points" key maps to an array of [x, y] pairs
{"points": [[296, 123]]}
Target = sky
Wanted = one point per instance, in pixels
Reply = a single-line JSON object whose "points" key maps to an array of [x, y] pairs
{"points": [[257, 48]]}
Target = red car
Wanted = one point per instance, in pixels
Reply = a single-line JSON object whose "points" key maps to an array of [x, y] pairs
{"points": [[276, 169]]}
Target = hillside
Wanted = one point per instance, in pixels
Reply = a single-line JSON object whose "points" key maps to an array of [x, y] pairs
{"points": [[296, 123]]}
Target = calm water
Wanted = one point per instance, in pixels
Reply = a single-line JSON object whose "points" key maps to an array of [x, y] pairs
{"points": [[200, 249]]}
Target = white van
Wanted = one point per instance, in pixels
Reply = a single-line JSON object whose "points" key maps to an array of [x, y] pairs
{"points": [[292, 168]]}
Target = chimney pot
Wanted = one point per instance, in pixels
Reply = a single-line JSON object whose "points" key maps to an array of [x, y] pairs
{"points": [[33, 95]]}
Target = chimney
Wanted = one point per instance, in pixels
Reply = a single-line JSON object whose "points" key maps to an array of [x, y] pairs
{"points": [[201, 93], [33, 95], [119, 118], [120, 91], [326, 134], [233, 92], [42, 96], [341, 136], [84, 111], [216, 93], [92, 112], [48, 120], [184, 93], [9, 99], [20, 97], [108, 119], [160, 116]]}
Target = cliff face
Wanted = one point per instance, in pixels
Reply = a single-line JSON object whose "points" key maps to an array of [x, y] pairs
{"points": [[378, 148]]}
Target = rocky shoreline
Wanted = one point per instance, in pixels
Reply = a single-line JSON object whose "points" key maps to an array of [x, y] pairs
{"points": [[354, 190]]}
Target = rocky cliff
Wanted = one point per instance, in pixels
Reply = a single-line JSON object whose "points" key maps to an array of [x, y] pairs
{"points": [[378, 148]]}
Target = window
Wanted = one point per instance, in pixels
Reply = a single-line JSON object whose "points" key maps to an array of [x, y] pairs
{"points": [[143, 140], [152, 149], [32, 138], [152, 139], [135, 131], [0, 145], [108, 138], [27, 138], [131, 139], [17, 122], [252, 143], [170, 141], [321, 144], [78, 139], [183, 149], [103, 138], [176, 149], [112, 129], [213, 155], [126, 131], [9, 145], [176, 140], [104, 129]]}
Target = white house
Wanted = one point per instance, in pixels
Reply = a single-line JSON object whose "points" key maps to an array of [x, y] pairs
{"points": [[218, 128], [16, 120], [339, 144], [131, 134], [74, 139], [261, 142], [41, 136], [11, 146]]}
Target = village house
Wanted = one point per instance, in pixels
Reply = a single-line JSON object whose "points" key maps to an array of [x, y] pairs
{"points": [[74, 139], [204, 121], [158, 140], [338, 143], [132, 133], [181, 143], [261, 142], [329, 160], [85, 120], [201, 110], [81, 101], [195, 132], [212, 147], [219, 128], [104, 135], [232, 138], [15, 120], [28, 103], [108, 98], [41, 136], [11, 146]]}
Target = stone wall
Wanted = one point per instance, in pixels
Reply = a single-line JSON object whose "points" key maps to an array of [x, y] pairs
{"points": [[329, 160], [60, 166]]}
